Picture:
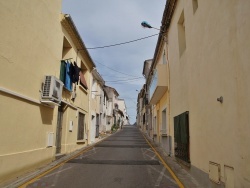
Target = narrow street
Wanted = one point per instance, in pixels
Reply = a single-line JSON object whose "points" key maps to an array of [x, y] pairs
{"points": [[125, 159]]}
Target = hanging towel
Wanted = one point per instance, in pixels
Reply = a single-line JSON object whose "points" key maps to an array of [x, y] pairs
{"points": [[68, 81]]}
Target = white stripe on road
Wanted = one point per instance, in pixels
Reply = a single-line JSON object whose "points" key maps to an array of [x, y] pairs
{"points": [[160, 177], [58, 172], [92, 151], [166, 176]]}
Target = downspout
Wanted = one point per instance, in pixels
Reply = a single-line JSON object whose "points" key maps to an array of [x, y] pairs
{"points": [[166, 20], [169, 121], [89, 125]]}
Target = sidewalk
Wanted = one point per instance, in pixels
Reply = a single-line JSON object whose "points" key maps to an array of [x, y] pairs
{"points": [[183, 175]]}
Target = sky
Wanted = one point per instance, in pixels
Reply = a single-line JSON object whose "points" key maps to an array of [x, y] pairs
{"points": [[104, 23]]}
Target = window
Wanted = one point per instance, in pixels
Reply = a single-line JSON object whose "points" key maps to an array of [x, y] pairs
{"points": [[164, 122], [67, 76], [67, 49], [181, 34], [195, 5], [116, 106], [94, 88], [83, 74], [66, 65], [69, 70], [81, 126], [153, 83], [154, 126]]}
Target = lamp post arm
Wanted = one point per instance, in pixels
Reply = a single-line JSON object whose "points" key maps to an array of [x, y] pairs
{"points": [[147, 25]]}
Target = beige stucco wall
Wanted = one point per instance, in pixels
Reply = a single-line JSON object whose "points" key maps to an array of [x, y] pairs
{"points": [[81, 103], [215, 63], [160, 106], [23, 136], [69, 137], [30, 48], [163, 101]]}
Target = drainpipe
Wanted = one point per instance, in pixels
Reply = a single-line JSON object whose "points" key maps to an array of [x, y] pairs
{"points": [[170, 146]]}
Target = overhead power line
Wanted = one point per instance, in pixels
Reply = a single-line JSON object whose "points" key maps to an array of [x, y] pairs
{"points": [[122, 42], [115, 70], [125, 80], [128, 82], [117, 77]]}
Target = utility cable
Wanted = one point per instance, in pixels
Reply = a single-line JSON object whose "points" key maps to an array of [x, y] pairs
{"points": [[125, 80], [114, 69], [121, 43], [116, 77]]}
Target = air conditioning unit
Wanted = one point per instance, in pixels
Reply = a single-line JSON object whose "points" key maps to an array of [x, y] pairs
{"points": [[52, 90]]}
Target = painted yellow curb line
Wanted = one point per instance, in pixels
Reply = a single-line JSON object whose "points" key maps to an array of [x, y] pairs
{"points": [[53, 168], [58, 165], [166, 166]]}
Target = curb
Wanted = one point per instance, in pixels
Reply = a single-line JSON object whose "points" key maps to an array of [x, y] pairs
{"points": [[178, 169], [53, 165], [164, 162]]}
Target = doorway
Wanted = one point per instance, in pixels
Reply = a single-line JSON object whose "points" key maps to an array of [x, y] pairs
{"points": [[59, 128], [81, 122], [97, 125], [181, 136]]}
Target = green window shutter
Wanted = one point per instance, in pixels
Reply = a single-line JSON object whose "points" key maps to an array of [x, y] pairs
{"points": [[62, 71], [184, 127], [177, 136]]}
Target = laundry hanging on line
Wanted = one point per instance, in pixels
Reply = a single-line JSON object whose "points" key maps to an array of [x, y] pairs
{"points": [[69, 74]]}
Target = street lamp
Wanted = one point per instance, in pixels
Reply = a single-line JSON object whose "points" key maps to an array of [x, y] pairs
{"points": [[147, 25]]}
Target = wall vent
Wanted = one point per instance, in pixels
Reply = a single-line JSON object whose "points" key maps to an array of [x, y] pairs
{"points": [[214, 172]]}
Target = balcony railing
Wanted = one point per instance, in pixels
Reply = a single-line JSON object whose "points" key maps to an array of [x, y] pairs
{"points": [[159, 83]]}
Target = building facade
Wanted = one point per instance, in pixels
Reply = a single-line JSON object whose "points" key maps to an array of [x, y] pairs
{"points": [[73, 128], [124, 116], [59, 121], [112, 112], [31, 47], [45, 87], [199, 91], [98, 119]]}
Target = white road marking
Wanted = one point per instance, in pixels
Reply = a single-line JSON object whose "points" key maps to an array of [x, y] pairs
{"points": [[58, 172], [158, 181]]}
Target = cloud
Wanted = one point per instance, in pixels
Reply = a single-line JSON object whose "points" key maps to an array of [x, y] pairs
{"points": [[108, 22]]}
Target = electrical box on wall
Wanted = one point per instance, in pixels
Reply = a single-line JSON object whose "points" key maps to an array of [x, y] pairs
{"points": [[50, 139], [70, 126]]}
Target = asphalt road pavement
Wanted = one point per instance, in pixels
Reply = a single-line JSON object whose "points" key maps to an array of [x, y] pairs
{"points": [[123, 160]]}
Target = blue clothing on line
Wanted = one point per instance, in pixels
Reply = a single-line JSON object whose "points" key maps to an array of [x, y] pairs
{"points": [[68, 81]]}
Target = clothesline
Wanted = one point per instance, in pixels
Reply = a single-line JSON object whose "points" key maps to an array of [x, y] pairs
{"points": [[66, 59], [70, 73]]}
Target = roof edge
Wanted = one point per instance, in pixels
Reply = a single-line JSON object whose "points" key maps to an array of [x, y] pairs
{"points": [[67, 18]]}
